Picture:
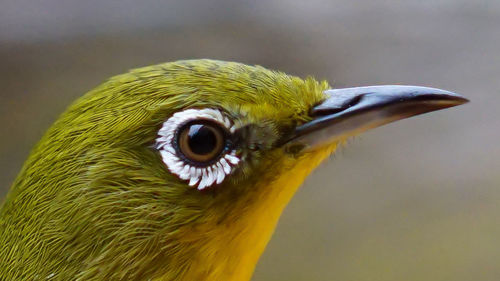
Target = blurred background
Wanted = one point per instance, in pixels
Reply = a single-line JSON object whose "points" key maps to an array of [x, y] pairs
{"points": [[415, 200]]}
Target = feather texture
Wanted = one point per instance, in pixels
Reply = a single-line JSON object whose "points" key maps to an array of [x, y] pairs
{"points": [[95, 201]]}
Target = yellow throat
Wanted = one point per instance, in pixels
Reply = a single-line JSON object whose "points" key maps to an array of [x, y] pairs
{"points": [[235, 250]]}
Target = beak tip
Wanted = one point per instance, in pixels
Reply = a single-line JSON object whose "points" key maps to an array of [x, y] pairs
{"points": [[461, 100], [451, 98]]}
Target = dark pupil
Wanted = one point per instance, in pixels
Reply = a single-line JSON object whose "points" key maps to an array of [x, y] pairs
{"points": [[201, 139]]}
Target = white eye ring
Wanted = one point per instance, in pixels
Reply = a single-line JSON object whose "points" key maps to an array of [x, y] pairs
{"points": [[201, 177]]}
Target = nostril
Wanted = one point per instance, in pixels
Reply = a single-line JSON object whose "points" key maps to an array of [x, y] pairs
{"points": [[353, 101], [336, 103]]}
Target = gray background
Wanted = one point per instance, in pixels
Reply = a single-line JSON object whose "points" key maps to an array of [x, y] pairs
{"points": [[414, 200]]}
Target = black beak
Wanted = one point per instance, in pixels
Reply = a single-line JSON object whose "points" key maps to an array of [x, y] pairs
{"points": [[350, 111]]}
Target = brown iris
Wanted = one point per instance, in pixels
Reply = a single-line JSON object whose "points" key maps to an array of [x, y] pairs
{"points": [[201, 142]]}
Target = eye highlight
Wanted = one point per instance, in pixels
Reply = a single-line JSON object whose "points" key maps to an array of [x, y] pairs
{"points": [[195, 145], [200, 141]]}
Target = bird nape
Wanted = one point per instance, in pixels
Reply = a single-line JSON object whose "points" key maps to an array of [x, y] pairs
{"points": [[180, 171]]}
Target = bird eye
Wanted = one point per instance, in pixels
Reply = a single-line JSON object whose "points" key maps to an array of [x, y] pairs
{"points": [[197, 146], [201, 141]]}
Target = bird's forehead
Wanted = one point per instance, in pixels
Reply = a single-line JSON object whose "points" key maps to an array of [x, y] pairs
{"points": [[228, 84], [283, 97], [247, 93]]}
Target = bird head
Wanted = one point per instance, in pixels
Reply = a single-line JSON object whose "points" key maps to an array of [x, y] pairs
{"points": [[181, 170]]}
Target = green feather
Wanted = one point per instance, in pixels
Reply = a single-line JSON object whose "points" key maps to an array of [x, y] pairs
{"points": [[94, 201]]}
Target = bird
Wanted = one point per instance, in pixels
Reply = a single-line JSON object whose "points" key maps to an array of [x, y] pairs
{"points": [[181, 170]]}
